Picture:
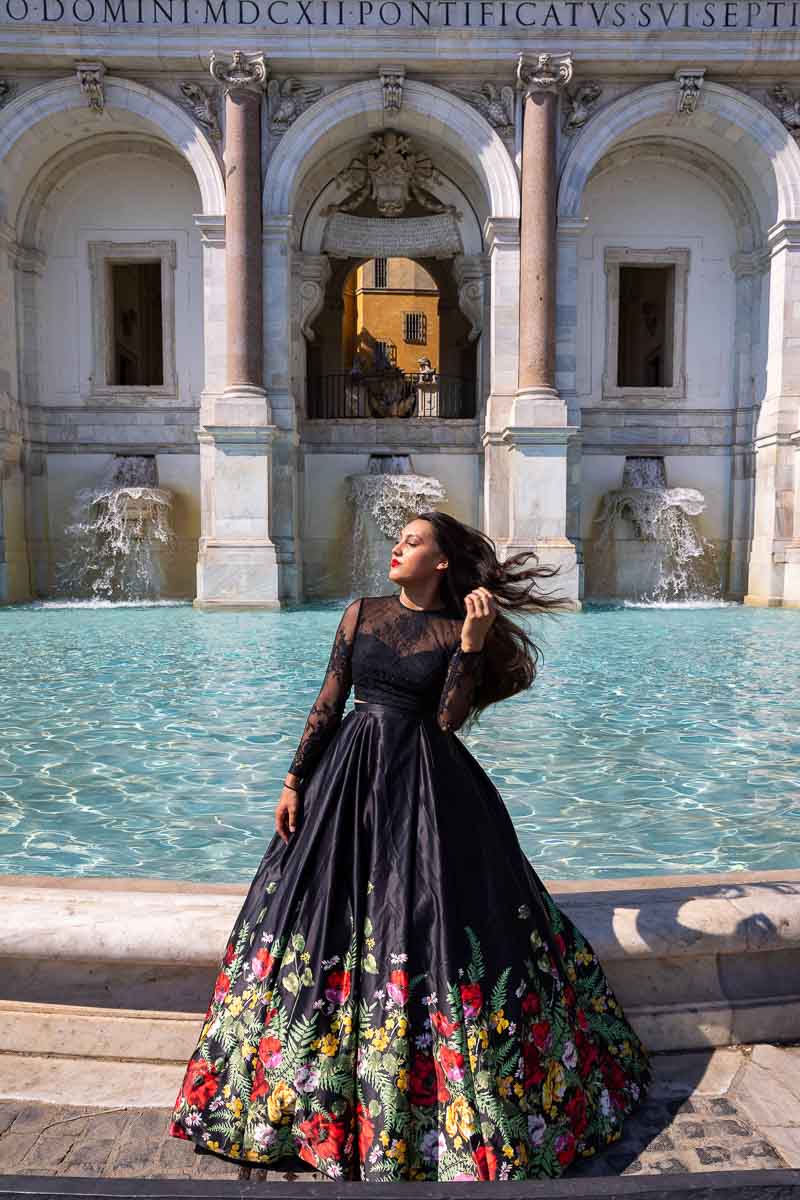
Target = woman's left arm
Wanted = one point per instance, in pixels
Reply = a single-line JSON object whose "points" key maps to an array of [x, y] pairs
{"points": [[465, 670]]}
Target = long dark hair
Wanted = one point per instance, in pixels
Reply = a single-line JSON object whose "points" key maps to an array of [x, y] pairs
{"points": [[511, 661]]}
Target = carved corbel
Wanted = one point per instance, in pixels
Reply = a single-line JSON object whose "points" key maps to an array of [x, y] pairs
{"points": [[313, 272], [690, 80], [90, 77], [495, 102], [392, 77], [470, 273], [288, 98], [579, 102]]}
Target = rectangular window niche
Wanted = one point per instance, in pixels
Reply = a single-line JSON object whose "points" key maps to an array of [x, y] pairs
{"points": [[133, 319], [645, 323]]}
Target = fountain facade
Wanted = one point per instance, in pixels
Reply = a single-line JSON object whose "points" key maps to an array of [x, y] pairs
{"points": [[668, 558], [119, 535], [383, 500]]}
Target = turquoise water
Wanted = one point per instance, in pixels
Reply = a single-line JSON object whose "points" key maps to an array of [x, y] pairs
{"points": [[152, 740]]}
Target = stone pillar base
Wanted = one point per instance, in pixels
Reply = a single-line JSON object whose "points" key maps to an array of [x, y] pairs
{"points": [[237, 574], [552, 551], [538, 406]]}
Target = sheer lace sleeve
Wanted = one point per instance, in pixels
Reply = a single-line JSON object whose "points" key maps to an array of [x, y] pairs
{"points": [[463, 675], [326, 711]]}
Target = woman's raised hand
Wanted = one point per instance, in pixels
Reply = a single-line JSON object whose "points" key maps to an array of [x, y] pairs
{"points": [[286, 814], [481, 612]]}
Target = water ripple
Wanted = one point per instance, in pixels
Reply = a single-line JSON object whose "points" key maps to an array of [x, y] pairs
{"points": [[151, 740]]}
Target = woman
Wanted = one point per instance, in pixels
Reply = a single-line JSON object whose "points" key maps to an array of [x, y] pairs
{"points": [[400, 997]]}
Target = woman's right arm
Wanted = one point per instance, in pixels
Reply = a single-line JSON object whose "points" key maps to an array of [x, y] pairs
{"points": [[323, 719]]}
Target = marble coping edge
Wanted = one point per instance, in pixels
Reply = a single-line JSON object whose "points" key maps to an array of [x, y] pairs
{"points": [[86, 920]]}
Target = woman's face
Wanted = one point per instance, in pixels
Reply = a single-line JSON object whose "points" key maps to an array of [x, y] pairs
{"points": [[415, 556]]}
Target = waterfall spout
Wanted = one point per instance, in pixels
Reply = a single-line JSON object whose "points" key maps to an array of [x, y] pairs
{"points": [[384, 499], [119, 532]]}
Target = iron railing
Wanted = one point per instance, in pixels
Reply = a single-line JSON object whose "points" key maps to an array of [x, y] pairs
{"points": [[342, 395]]}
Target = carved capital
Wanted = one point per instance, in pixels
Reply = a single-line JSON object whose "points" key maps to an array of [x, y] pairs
{"points": [[543, 72], [392, 77], [202, 104], [241, 73], [690, 80], [90, 77]]}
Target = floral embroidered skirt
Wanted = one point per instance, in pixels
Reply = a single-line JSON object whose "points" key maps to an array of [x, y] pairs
{"points": [[400, 998]]}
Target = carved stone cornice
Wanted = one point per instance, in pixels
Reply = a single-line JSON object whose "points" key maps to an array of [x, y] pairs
{"points": [[242, 72], [91, 76], [543, 72]]}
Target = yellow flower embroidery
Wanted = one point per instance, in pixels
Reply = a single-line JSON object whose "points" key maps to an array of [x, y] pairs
{"points": [[235, 1007], [498, 1020], [460, 1117], [280, 1100], [248, 1051], [504, 1084], [507, 1150], [484, 1037], [235, 1106], [402, 1079], [402, 1027], [213, 1145], [554, 1085], [384, 1137], [380, 1041], [329, 1045]]}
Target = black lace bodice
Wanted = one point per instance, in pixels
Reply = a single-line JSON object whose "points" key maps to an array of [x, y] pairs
{"points": [[395, 655]]}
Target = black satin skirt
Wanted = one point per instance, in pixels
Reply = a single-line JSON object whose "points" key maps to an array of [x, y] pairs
{"points": [[400, 997]]}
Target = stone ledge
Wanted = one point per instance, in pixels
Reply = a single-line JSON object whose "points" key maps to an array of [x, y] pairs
{"points": [[711, 962]]}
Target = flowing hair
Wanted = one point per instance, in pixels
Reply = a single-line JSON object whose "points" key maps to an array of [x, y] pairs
{"points": [[511, 662]]}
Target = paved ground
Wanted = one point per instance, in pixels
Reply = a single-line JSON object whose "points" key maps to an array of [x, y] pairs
{"points": [[737, 1109]]}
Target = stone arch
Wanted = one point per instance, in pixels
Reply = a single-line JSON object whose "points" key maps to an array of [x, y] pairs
{"points": [[705, 165], [23, 151], [733, 125], [59, 170], [357, 110]]}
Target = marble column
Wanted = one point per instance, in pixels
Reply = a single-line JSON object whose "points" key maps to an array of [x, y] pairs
{"points": [[537, 433], [237, 564]]}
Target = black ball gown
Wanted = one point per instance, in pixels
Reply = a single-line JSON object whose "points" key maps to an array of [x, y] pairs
{"points": [[400, 998]]}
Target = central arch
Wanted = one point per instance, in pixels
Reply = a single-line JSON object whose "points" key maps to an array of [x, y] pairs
{"points": [[357, 111]]}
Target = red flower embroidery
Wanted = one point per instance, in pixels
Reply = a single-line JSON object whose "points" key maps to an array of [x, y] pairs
{"points": [[540, 1032], [580, 1017], [564, 1146], [269, 1051], [587, 1052], [200, 1084], [569, 996], [366, 1131], [230, 954], [337, 988], [261, 963], [397, 987], [534, 1072], [562, 945], [260, 1087], [531, 1004], [323, 1134], [486, 1161], [221, 986], [576, 1111], [422, 1081], [471, 998], [441, 1024], [452, 1063]]}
